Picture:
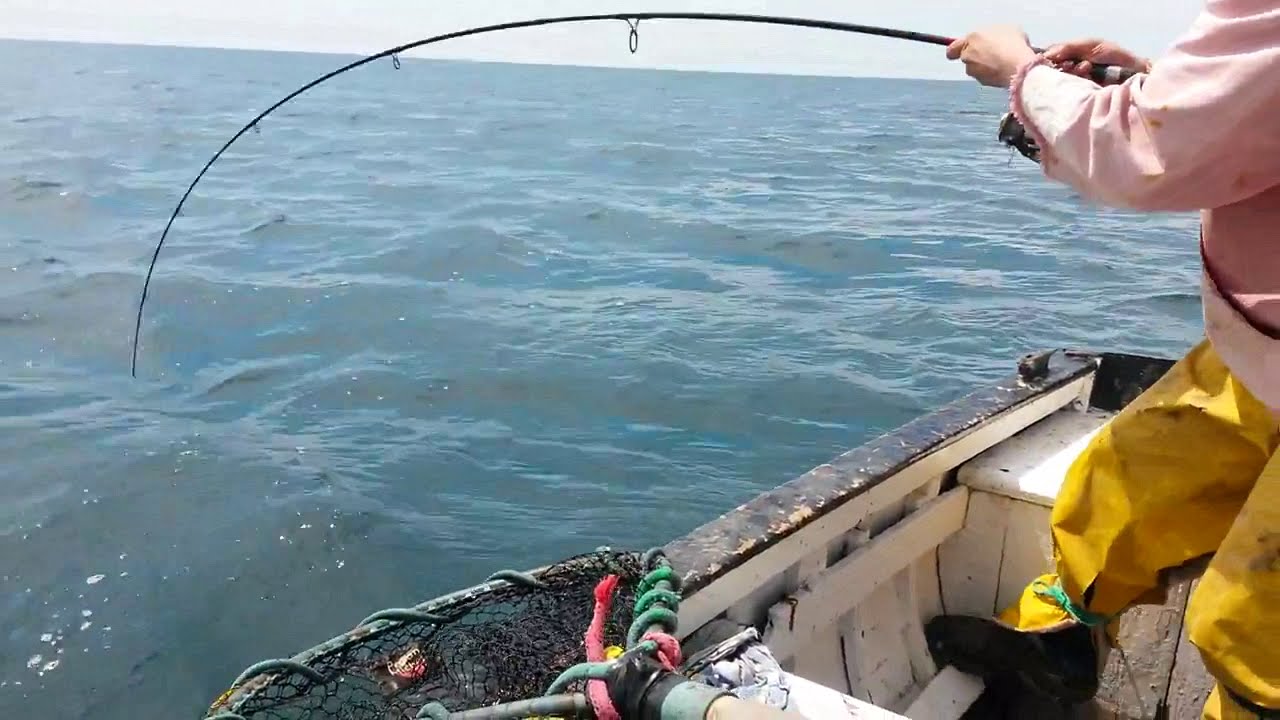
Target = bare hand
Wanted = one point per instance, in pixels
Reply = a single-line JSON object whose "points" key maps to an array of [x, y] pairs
{"points": [[1079, 56], [993, 55]]}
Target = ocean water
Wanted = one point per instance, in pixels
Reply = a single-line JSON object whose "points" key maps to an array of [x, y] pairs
{"points": [[433, 322]]}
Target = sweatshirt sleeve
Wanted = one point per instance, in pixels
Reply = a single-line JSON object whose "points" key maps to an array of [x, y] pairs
{"points": [[1200, 131]]}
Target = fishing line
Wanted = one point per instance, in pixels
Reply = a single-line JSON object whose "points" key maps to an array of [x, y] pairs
{"points": [[633, 43]]}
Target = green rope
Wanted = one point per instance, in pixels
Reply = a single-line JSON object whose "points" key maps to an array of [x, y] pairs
{"points": [[594, 670], [660, 573], [658, 599], [661, 618], [656, 608], [1078, 613], [667, 597], [581, 671], [555, 706], [433, 711], [404, 615], [516, 577], [292, 666]]}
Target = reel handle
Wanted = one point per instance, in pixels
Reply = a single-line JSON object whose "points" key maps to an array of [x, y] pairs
{"points": [[1012, 133], [1110, 74], [1104, 74]]}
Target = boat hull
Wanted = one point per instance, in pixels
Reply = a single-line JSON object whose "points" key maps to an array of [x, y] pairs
{"points": [[840, 568]]}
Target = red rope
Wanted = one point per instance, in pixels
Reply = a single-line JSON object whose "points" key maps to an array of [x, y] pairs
{"points": [[594, 639], [668, 649]]}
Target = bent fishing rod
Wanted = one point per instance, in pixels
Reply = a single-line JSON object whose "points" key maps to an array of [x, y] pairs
{"points": [[1101, 73]]}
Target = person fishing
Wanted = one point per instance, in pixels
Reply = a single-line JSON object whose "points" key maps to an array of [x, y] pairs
{"points": [[1190, 468]]}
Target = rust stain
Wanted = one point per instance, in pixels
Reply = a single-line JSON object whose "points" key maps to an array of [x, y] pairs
{"points": [[793, 602], [745, 545], [1155, 123], [1241, 181]]}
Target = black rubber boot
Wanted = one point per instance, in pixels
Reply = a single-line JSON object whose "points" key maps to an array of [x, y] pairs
{"points": [[1061, 665]]}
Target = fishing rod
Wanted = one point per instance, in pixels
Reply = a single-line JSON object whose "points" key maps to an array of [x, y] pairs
{"points": [[1101, 73]]}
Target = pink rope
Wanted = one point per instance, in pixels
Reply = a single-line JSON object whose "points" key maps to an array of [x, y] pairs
{"points": [[668, 649], [597, 691]]}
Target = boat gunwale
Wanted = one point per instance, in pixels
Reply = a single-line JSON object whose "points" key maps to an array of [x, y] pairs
{"points": [[726, 543], [720, 546]]}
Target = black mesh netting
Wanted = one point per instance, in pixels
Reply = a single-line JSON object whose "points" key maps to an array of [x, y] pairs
{"points": [[501, 642]]}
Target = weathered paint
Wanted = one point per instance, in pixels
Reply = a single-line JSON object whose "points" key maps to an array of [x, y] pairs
{"points": [[727, 542]]}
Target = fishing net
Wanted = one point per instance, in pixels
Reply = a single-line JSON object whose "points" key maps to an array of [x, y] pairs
{"points": [[503, 641]]}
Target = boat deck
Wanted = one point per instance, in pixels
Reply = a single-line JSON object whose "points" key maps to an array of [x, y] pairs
{"points": [[1164, 678], [1159, 674], [840, 567]]}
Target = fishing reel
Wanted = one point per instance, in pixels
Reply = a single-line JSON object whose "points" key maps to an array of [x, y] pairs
{"points": [[1013, 134]]}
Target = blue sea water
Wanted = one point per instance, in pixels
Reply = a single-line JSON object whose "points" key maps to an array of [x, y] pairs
{"points": [[433, 322]]}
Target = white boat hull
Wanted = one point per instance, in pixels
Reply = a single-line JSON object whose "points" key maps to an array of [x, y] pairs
{"points": [[841, 568]]}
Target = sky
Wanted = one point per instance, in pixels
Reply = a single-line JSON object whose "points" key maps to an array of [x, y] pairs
{"points": [[367, 26]]}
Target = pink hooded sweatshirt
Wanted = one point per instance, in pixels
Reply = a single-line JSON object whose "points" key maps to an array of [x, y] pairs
{"points": [[1200, 131]]}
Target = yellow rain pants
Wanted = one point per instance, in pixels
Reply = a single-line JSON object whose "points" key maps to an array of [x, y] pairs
{"points": [[1189, 468]]}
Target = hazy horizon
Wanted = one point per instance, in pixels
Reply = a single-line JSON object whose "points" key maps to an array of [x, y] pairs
{"points": [[336, 27], [743, 70]]}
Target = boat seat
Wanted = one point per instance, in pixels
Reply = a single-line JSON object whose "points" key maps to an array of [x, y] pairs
{"points": [[1031, 465]]}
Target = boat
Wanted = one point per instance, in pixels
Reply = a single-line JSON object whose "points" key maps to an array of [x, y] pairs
{"points": [[840, 569]]}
